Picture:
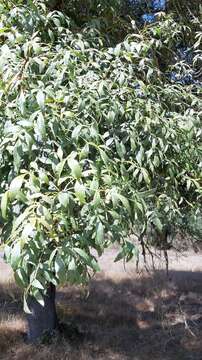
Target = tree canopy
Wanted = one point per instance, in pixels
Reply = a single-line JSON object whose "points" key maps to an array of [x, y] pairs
{"points": [[100, 133]]}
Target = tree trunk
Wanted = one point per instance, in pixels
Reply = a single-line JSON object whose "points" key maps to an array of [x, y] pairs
{"points": [[43, 319]]}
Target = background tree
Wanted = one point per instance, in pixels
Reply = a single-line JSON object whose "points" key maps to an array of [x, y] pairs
{"points": [[100, 139]]}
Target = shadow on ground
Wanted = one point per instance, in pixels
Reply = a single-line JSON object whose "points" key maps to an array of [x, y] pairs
{"points": [[149, 317]]}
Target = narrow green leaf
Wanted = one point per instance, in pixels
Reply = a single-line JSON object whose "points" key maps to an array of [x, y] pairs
{"points": [[120, 148], [40, 97], [99, 233], [60, 269], [157, 222], [36, 283], [83, 254], [25, 306], [21, 278], [19, 220], [95, 266], [104, 157], [125, 202], [75, 168], [54, 252], [40, 126], [21, 102], [120, 256], [139, 156], [63, 198], [39, 298], [59, 168], [76, 132], [45, 224], [80, 192], [16, 183], [145, 175], [4, 204]]}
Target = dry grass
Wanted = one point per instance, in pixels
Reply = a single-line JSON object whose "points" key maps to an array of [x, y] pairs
{"points": [[123, 317]]}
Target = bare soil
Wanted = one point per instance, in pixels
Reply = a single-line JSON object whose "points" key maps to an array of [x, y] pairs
{"points": [[121, 315]]}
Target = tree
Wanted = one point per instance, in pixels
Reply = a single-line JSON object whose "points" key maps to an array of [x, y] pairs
{"points": [[97, 142]]}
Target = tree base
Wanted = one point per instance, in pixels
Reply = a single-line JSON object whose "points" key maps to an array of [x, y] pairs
{"points": [[42, 321]]}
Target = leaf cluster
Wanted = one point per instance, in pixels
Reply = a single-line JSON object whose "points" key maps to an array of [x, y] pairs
{"points": [[97, 142]]}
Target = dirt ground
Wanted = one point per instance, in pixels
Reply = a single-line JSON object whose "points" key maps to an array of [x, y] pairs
{"points": [[122, 315]]}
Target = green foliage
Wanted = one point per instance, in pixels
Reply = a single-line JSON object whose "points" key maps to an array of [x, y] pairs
{"points": [[96, 142]]}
